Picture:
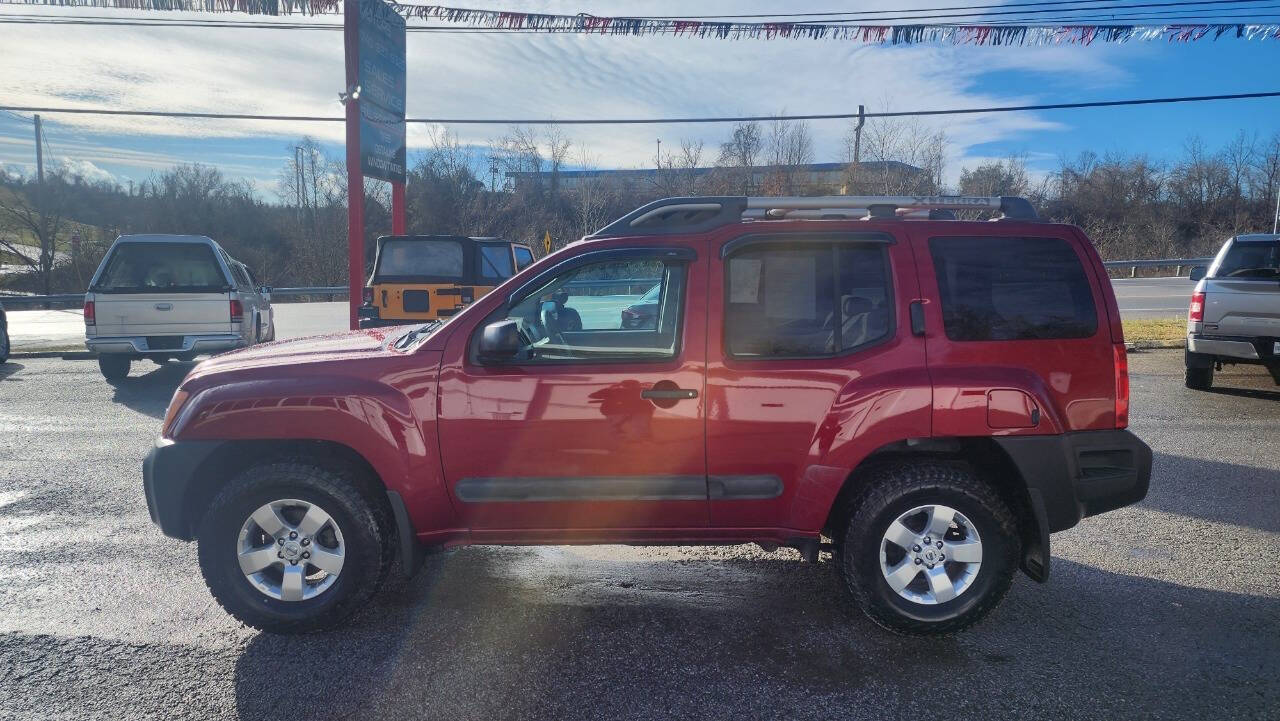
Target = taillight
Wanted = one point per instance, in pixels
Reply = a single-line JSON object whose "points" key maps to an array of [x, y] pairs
{"points": [[367, 296], [1195, 313], [237, 311], [90, 317], [1122, 385]]}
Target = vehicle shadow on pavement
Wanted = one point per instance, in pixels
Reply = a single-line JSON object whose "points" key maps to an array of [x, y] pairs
{"points": [[1257, 393], [1215, 491], [150, 391], [544, 633], [9, 369]]}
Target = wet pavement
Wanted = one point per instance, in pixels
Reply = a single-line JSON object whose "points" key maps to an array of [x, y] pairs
{"points": [[1169, 609]]}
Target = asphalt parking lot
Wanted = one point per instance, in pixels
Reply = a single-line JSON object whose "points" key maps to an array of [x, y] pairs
{"points": [[1170, 609]]}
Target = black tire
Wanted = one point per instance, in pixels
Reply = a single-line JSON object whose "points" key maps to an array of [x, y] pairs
{"points": [[5, 344], [1199, 379], [114, 367], [365, 525], [894, 489]]}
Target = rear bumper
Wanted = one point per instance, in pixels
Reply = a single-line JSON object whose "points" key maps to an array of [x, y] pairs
{"points": [[168, 477], [1223, 346], [1075, 475], [138, 345]]}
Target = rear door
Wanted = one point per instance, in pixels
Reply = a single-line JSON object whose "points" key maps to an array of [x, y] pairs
{"points": [[811, 366], [1242, 291], [161, 288]]}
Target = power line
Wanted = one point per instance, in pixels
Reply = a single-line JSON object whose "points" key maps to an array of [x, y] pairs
{"points": [[655, 121], [835, 14], [1220, 17]]}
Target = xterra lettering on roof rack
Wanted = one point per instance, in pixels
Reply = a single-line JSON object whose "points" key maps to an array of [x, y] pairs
{"points": [[700, 214]]}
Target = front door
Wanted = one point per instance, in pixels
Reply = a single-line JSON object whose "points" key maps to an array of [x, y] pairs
{"points": [[593, 430]]}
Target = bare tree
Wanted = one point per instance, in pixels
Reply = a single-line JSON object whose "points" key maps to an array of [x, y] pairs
{"points": [[36, 211]]}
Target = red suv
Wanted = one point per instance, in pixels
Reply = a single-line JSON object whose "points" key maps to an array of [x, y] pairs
{"points": [[934, 396]]}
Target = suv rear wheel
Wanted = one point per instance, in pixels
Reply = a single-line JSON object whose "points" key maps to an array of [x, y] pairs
{"points": [[930, 548], [290, 547], [114, 367]]}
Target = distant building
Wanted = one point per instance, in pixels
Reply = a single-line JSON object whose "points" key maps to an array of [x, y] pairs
{"points": [[810, 179]]}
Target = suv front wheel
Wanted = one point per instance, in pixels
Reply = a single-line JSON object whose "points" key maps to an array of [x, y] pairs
{"points": [[290, 547], [930, 549]]}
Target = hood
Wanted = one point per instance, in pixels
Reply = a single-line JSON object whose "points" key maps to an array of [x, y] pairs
{"points": [[344, 346]]}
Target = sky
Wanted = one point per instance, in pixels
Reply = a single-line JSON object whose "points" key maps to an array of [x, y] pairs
{"points": [[535, 75]]}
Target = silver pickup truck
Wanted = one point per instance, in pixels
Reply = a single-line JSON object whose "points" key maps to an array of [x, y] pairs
{"points": [[171, 296], [1235, 309]]}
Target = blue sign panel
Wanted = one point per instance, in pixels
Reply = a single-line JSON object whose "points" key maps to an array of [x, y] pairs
{"points": [[381, 77]]}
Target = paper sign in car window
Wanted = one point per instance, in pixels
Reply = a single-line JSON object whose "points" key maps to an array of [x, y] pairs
{"points": [[788, 287], [744, 280]]}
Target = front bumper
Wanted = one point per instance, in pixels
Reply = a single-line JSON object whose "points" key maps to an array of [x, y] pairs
{"points": [[170, 479], [138, 345]]}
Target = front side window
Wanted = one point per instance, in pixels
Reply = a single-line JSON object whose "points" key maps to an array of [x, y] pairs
{"points": [[584, 313], [790, 299], [495, 262], [161, 268], [410, 260], [1012, 289], [1250, 259]]}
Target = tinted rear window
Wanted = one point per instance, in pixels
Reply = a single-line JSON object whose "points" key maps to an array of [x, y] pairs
{"points": [[161, 268], [412, 259], [495, 262], [1012, 289], [1251, 259]]}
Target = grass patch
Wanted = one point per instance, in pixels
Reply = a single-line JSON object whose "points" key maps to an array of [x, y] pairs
{"points": [[1155, 329]]}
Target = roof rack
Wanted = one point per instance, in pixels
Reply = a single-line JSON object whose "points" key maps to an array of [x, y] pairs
{"points": [[700, 214]]}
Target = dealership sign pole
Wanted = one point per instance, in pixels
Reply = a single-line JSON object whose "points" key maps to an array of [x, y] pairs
{"points": [[374, 39]]}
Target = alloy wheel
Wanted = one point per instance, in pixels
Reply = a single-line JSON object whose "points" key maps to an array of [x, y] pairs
{"points": [[290, 550]]}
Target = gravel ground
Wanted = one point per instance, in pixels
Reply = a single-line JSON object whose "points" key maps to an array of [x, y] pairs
{"points": [[1170, 609]]}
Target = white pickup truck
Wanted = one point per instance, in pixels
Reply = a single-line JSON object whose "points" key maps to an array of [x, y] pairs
{"points": [[171, 296]]}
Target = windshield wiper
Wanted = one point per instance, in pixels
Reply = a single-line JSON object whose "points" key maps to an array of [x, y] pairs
{"points": [[409, 338]]}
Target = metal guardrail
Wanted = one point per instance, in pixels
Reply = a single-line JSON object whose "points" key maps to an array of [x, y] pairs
{"points": [[1178, 263], [74, 299]]}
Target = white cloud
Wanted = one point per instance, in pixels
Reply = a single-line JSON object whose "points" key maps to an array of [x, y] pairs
{"points": [[460, 75], [85, 169]]}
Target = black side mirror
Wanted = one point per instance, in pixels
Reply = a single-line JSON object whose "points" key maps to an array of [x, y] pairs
{"points": [[1197, 272], [500, 340]]}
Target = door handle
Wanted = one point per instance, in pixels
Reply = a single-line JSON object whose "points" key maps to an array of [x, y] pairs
{"points": [[669, 394]]}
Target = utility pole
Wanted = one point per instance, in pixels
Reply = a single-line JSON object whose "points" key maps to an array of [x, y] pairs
{"points": [[1275, 221], [493, 173], [39, 153], [299, 179], [857, 151]]}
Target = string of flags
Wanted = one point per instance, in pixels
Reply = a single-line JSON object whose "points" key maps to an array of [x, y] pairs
{"points": [[909, 34]]}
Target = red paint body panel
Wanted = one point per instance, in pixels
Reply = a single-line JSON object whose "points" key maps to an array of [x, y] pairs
{"points": [[810, 421], [427, 418], [1072, 379], [576, 420]]}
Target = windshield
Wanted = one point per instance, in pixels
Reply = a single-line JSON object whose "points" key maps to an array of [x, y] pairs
{"points": [[161, 268], [1251, 259], [411, 259]]}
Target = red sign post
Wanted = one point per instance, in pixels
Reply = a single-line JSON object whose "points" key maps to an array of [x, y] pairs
{"points": [[374, 40]]}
